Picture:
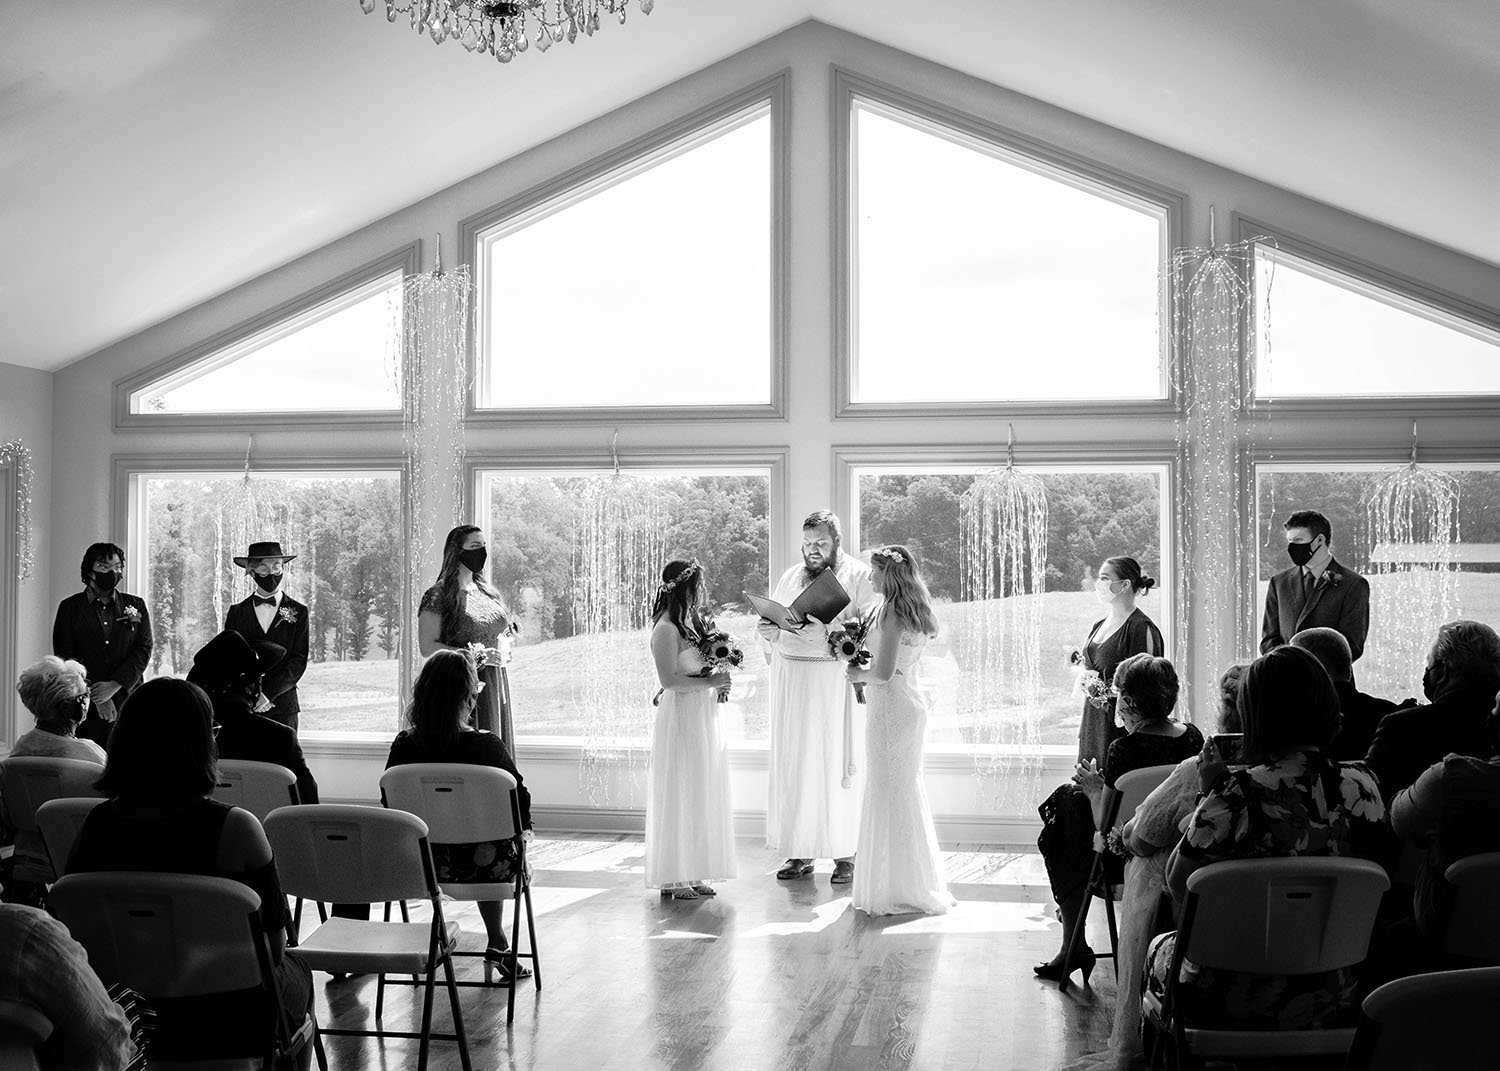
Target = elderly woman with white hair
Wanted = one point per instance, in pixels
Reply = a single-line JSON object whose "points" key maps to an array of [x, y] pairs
{"points": [[57, 693]]}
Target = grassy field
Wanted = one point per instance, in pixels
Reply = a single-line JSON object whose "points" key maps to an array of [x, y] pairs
{"points": [[360, 696]]}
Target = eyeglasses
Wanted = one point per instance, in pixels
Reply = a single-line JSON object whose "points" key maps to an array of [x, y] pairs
{"points": [[266, 569], [101, 567]]}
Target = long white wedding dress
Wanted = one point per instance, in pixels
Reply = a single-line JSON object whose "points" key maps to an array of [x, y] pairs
{"points": [[689, 820], [898, 869]]}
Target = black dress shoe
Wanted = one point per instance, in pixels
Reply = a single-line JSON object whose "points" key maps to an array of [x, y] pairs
{"points": [[843, 874], [795, 868]]}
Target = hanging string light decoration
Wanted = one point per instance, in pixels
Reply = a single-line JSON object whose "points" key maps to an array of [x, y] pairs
{"points": [[1211, 305], [1412, 519], [432, 323], [250, 510], [506, 28], [17, 455], [619, 544], [1002, 565]]}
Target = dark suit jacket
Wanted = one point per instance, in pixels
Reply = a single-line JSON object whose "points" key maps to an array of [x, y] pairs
{"points": [[1408, 741], [1359, 715], [121, 658], [1340, 600], [243, 735], [280, 685]]}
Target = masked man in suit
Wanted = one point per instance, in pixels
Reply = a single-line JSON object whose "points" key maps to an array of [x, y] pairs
{"points": [[109, 632], [270, 615], [1316, 592]]}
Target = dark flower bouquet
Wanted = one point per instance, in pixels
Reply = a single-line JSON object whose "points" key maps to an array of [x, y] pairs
{"points": [[719, 651], [847, 645]]}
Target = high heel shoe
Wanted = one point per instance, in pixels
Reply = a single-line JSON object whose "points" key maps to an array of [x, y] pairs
{"points": [[1052, 970], [497, 961]]}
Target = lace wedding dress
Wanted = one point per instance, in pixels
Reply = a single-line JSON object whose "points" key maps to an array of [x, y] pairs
{"points": [[689, 820], [898, 870]]}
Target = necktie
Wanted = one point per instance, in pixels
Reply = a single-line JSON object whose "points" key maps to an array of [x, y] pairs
{"points": [[264, 600], [1307, 585]]}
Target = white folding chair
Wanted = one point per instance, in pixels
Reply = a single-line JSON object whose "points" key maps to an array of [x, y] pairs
{"points": [[61, 821], [348, 854], [22, 1030], [28, 782], [1474, 923], [1120, 802], [467, 804], [1302, 915], [181, 935], [1430, 1022], [258, 787]]}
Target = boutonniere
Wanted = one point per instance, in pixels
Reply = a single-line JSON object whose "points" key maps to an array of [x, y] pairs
{"points": [[287, 614], [1331, 578], [131, 614]]}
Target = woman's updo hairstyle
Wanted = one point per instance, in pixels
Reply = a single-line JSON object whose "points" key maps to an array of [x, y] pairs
{"points": [[1150, 683], [1128, 569]]}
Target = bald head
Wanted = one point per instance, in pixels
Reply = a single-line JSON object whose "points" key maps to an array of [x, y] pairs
{"points": [[1329, 647]]}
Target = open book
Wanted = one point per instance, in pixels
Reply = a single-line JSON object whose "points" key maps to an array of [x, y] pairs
{"points": [[825, 598]]}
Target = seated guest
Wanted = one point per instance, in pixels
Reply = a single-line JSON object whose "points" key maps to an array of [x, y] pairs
{"points": [[440, 729], [1293, 799], [44, 968], [1460, 681], [57, 693], [1359, 713], [229, 668], [1453, 811], [1147, 690], [159, 817]]}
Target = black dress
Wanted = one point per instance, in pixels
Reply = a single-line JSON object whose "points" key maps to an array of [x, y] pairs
{"points": [[187, 842], [1138, 635], [1067, 838]]}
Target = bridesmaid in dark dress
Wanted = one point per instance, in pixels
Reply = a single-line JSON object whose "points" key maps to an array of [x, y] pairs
{"points": [[1124, 631], [463, 608]]}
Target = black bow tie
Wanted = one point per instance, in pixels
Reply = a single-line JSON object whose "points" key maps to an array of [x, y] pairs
{"points": [[264, 600]]}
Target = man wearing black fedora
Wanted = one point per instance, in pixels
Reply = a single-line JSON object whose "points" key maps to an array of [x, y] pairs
{"points": [[231, 670], [269, 614]]}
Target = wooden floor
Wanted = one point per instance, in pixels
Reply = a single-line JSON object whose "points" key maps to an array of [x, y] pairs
{"points": [[768, 975]]}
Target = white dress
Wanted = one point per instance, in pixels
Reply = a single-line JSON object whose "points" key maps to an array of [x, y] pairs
{"points": [[689, 822], [898, 869]]}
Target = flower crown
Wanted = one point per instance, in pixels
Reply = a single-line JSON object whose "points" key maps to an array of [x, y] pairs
{"points": [[888, 554], [691, 568]]}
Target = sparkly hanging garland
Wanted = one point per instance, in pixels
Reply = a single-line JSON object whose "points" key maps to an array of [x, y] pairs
{"points": [[619, 543], [18, 454], [1211, 306], [432, 371], [1003, 563], [1412, 518]]}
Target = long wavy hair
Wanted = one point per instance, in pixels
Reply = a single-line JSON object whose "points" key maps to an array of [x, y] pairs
{"points": [[680, 598], [442, 698], [447, 580], [907, 599]]}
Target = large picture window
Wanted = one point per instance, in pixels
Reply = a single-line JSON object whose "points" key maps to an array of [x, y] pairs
{"points": [[721, 517], [979, 274], [1092, 514], [1393, 658], [1325, 333], [344, 527], [649, 285]]}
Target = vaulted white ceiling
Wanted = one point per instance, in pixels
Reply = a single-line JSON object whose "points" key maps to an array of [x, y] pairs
{"points": [[154, 153]]}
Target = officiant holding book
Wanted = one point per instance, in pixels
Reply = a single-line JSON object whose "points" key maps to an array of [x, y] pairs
{"points": [[816, 728]]}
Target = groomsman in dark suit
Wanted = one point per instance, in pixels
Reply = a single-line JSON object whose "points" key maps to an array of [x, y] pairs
{"points": [[109, 632], [271, 615], [1316, 592]]}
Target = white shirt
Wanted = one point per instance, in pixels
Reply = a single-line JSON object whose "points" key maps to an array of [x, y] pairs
{"points": [[265, 612]]}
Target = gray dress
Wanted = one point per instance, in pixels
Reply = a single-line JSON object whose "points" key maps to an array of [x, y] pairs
{"points": [[482, 618]]}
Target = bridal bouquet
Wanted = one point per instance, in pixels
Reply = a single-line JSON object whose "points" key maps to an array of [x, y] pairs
{"points": [[847, 645], [719, 651], [1088, 683]]}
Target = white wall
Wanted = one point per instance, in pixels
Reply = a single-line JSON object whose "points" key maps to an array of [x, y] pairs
{"points": [[82, 391], [26, 414]]}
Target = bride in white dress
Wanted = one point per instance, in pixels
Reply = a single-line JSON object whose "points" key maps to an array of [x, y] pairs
{"points": [[900, 871], [689, 822]]}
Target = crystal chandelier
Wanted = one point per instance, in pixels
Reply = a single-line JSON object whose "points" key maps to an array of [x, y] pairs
{"points": [[506, 29]]}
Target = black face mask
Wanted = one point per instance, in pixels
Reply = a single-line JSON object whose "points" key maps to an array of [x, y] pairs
{"points": [[1300, 553], [473, 560], [106, 581], [267, 583]]}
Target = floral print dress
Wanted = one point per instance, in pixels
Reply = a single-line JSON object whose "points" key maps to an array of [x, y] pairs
{"points": [[1300, 804]]}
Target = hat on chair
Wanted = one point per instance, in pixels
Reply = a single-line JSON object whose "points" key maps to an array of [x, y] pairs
{"points": [[268, 550], [229, 659]]}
